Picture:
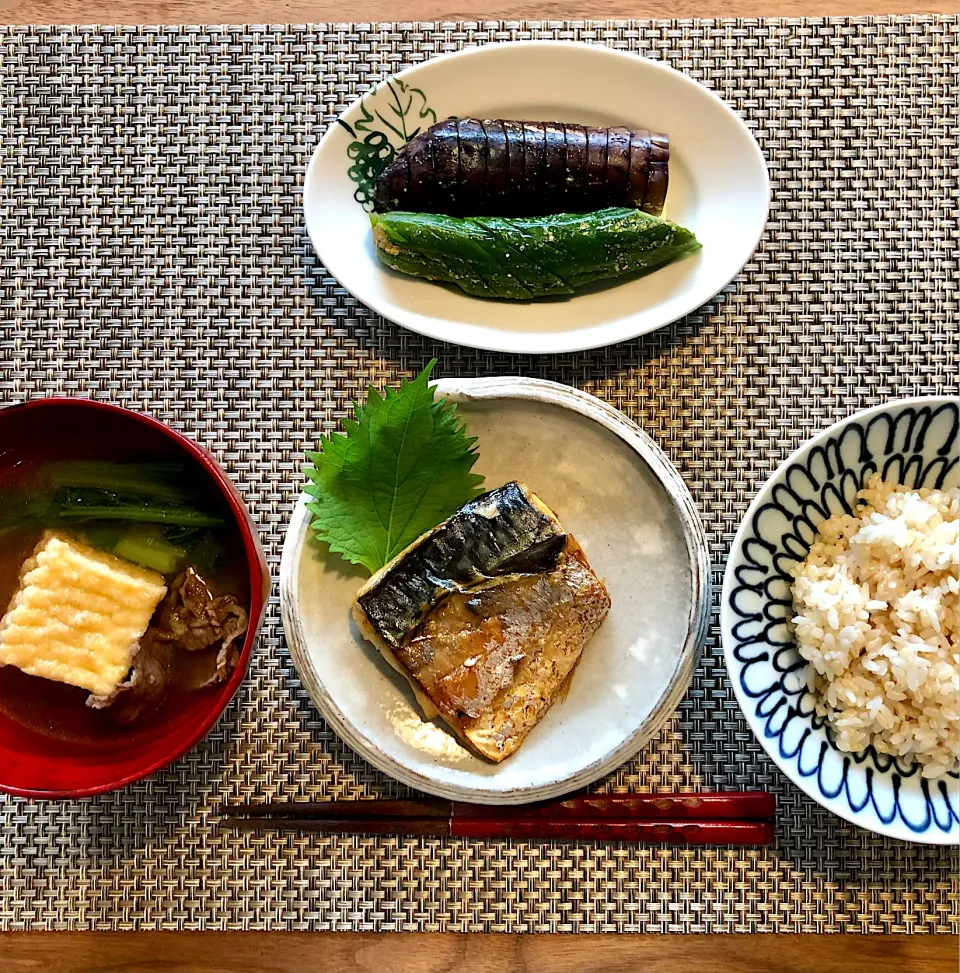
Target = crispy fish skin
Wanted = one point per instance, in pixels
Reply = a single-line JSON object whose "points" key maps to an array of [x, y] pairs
{"points": [[489, 644], [505, 531]]}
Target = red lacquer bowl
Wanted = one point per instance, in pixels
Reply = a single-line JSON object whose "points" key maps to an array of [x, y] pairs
{"points": [[34, 763]]}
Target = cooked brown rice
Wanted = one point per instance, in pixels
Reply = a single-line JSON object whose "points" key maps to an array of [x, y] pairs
{"points": [[875, 606]]}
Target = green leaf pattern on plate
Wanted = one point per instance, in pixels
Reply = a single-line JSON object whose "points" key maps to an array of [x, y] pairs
{"points": [[389, 118]]}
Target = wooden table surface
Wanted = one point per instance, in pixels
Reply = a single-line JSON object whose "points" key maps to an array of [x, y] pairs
{"points": [[363, 952], [307, 11]]}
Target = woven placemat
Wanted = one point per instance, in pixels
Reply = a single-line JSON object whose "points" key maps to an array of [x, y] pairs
{"points": [[152, 252]]}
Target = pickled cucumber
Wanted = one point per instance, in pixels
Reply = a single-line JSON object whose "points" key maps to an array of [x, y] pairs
{"points": [[525, 258]]}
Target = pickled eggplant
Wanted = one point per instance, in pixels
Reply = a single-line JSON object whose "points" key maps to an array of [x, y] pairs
{"points": [[502, 167]]}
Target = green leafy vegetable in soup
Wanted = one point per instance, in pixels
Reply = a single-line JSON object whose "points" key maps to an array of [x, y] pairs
{"points": [[144, 512]]}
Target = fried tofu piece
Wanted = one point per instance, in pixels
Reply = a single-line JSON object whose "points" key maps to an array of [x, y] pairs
{"points": [[78, 615]]}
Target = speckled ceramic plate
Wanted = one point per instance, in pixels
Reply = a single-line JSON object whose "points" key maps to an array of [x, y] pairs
{"points": [[618, 494], [718, 188]]}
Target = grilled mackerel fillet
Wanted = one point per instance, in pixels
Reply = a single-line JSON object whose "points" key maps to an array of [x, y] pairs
{"points": [[486, 616]]}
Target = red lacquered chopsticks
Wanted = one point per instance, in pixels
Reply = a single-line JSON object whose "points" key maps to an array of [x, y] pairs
{"points": [[742, 818]]}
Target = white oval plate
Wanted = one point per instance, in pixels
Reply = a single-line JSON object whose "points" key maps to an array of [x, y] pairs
{"points": [[718, 188], [617, 493]]}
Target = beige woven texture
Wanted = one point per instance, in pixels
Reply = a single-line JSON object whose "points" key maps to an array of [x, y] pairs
{"points": [[152, 252]]}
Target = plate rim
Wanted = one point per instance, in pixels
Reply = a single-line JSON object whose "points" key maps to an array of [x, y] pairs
{"points": [[698, 619], [727, 642], [532, 343]]}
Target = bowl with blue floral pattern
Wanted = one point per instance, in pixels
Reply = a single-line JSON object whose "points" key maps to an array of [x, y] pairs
{"points": [[912, 442]]}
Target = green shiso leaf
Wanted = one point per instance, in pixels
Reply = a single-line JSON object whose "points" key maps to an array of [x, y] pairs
{"points": [[402, 467]]}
